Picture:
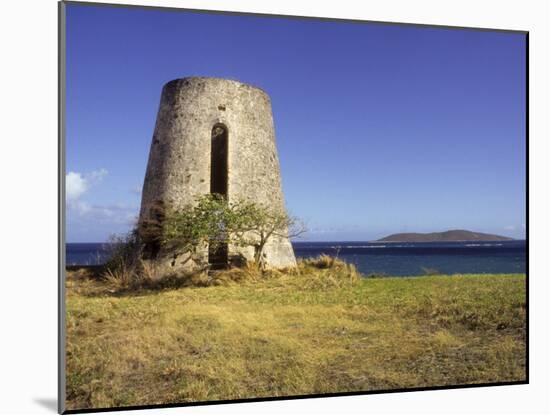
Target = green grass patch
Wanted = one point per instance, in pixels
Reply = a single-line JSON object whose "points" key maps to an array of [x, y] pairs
{"points": [[319, 329]]}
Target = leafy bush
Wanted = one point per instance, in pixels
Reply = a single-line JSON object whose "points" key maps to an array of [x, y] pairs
{"points": [[184, 233], [215, 221]]}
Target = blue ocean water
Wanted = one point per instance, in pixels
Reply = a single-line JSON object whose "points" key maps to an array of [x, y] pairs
{"points": [[420, 258], [396, 259]]}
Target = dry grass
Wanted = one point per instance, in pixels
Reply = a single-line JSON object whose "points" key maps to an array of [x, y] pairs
{"points": [[317, 329]]}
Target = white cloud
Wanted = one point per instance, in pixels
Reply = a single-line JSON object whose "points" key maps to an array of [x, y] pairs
{"points": [[515, 227], [80, 206], [75, 186], [117, 214], [78, 186], [98, 175]]}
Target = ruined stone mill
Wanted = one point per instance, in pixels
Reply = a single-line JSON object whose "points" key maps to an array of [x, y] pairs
{"points": [[214, 136]]}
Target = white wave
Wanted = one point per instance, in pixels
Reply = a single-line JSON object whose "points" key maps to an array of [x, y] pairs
{"points": [[364, 246], [357, 246]]}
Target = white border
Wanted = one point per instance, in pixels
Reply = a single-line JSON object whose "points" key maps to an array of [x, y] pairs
{"points": [[29, 204]]}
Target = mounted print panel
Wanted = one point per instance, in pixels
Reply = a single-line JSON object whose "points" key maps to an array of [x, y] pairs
{"points": [[274, 207]]}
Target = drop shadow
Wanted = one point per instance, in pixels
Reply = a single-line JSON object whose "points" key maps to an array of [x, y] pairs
{"points": [[48, 403]]}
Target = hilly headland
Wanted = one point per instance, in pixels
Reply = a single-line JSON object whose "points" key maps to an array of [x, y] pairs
{"points": [[458, 235]]}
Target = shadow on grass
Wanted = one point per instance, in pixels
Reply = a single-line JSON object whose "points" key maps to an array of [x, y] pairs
{"points": [[95, 282], [313, 273], [99, 286]]}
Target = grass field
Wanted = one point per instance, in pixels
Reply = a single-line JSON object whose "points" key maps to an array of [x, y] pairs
{"points": [[321, 330]]}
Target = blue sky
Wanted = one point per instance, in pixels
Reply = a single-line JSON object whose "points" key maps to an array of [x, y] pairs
{"points": [[380, 128]]}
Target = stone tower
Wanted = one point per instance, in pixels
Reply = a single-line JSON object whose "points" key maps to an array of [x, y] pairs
{"points": [[215, 136]]}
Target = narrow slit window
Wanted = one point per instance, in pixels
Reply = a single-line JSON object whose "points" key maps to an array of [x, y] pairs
{"points": [[218, 253], [218, 161]]}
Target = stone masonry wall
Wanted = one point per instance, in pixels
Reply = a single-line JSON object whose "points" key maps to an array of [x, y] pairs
{"points": [[178, 170]]}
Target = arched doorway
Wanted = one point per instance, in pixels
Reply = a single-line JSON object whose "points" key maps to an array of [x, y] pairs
{"points": [[218, 255]]}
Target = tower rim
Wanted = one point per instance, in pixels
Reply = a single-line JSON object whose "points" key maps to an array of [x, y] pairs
{"points": [[208, 79]]}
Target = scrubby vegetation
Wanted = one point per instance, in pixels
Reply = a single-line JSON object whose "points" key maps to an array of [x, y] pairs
{"points": [[212, 221], [324, 271], [320, 328]]}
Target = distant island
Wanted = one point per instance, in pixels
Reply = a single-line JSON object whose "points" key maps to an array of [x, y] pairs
{"points": [[447, 236]]}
